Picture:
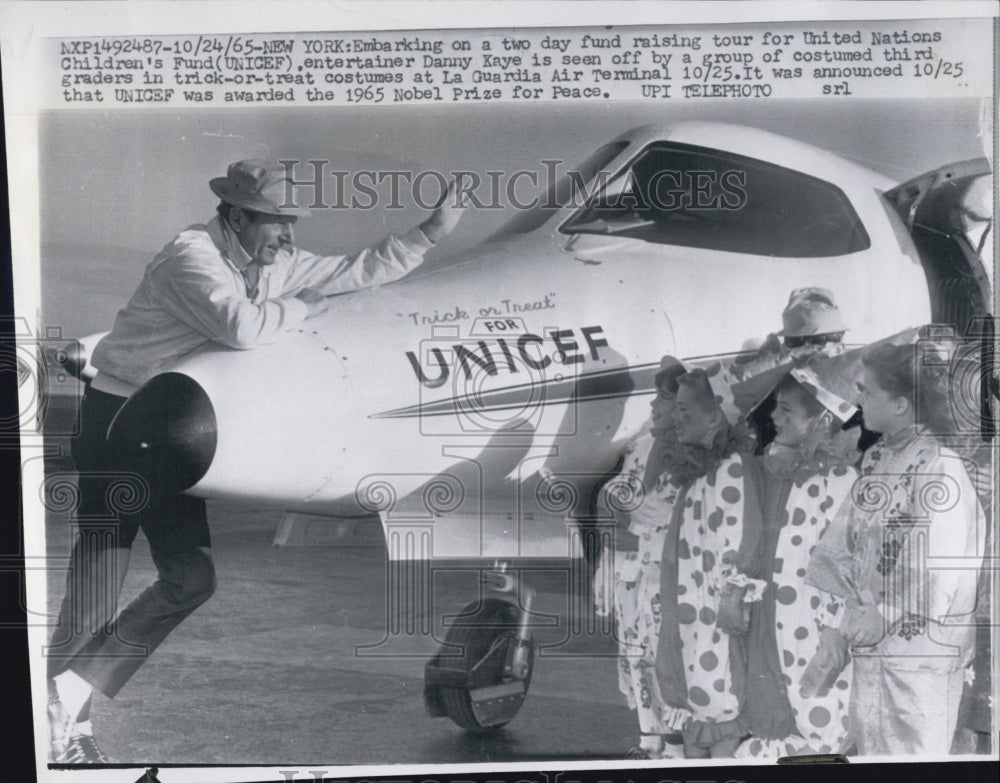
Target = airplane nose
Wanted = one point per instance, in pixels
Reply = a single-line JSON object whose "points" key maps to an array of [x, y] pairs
{"points": [[167, 432]]}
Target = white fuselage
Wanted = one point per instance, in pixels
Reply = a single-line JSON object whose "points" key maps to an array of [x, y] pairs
{"points": [[535, 338]]}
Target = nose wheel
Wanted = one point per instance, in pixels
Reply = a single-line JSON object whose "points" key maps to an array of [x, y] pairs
{"points": [[480, 676]]}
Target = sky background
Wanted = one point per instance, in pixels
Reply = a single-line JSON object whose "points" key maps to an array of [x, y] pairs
{"points": [[116, 186]]}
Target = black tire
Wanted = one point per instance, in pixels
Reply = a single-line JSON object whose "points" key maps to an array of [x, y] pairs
{"points": [[480, 627]]}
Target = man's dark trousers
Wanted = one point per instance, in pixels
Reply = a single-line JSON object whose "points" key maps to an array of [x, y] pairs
{"points": [[114, 504]]}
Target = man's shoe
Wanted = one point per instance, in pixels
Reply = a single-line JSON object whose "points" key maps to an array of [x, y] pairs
{"points": [[60, 729], [83, 749]]}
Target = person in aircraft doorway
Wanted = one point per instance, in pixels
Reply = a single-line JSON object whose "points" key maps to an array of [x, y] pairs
{"points": [[811, 326], [811, 323]]}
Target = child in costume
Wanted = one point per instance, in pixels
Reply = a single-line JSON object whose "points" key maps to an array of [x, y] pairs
{"points": [[904, 552], [641, 497], [808, 472], [708, 557]]}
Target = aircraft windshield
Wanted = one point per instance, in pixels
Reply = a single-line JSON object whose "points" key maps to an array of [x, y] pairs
{"points": [[573, 184], [679, 194]]}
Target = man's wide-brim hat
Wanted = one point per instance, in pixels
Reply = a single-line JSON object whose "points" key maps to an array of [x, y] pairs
{"points": [[811, 311], [260, 186]]}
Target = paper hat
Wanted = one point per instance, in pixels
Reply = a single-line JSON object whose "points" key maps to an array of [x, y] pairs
{"points": [[721, 379], [830, 380]]}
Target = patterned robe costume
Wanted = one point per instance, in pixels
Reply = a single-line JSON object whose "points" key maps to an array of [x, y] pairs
{"points": [[636, 586], [908, 541]]}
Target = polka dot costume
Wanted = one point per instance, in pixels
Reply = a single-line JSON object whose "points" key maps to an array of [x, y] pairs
{"points": [[794, 615], [802, 611], [709, 536]]}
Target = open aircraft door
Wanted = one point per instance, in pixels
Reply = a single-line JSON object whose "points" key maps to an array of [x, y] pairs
{"points": [[948, 213]]}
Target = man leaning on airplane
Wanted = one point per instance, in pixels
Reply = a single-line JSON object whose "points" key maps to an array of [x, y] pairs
{"points": [[237, 280]]}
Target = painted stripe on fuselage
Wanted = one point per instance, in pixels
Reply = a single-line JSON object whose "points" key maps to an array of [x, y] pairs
{"points": [[603, 385], [607, 384]]}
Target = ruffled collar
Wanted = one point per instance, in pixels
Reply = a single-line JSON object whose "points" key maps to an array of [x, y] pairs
{"points": [[685, 462], [813, 457], [790, 462]]}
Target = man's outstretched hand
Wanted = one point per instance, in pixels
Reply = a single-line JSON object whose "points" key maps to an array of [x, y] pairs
{"points": [[449, 211], [314, 300]]}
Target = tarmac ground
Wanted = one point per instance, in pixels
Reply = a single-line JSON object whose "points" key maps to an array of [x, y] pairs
{"points": [[295, 660]]}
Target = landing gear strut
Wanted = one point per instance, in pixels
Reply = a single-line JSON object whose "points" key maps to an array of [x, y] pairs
{"points": [[480, 676]]}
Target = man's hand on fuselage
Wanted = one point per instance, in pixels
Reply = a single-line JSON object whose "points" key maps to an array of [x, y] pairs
{"points": [[449, 211], [314, 300]]}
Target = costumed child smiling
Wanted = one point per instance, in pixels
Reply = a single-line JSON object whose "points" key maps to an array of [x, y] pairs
{"points": [[707, 557], [808, 472], [904, 551], [627, 582]]}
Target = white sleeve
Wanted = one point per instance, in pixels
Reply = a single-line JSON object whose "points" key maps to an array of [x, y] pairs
{"points": [[389, 260], [193, 289]]}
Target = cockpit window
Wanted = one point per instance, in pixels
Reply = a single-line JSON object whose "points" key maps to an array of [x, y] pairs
{"points": [[571, 186], [679, 194]]}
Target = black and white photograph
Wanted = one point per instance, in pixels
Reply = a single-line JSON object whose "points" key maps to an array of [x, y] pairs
{"points": [[498, 389]]}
